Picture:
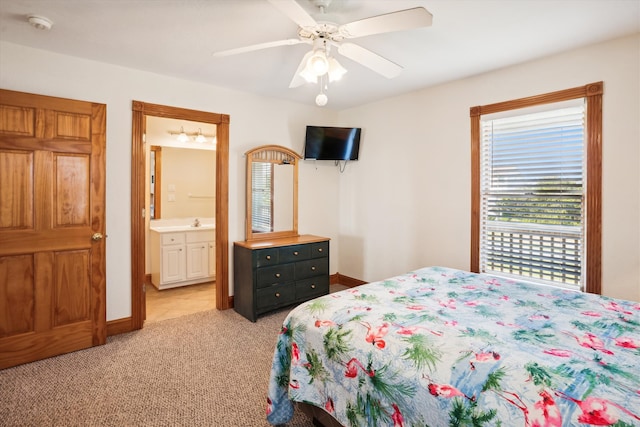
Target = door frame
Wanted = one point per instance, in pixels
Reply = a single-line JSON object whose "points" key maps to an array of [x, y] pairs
{"points": [[138, 177]]}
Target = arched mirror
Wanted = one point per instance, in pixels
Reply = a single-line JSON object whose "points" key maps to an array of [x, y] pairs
{"points": [[272, 192]]}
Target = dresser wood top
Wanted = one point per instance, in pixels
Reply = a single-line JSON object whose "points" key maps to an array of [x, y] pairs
{"points": [[284, 241]]}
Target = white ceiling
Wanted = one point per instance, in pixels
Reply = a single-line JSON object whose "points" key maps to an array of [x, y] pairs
{"points": [[178, 37]]}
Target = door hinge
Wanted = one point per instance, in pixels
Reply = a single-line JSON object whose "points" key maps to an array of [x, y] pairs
{"points": [[144, 212], [144, 288]]}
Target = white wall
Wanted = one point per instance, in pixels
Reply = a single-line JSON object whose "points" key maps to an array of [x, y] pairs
{"points": [[254, 121], [406, 204]]}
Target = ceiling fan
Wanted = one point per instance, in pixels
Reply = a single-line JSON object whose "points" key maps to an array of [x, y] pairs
{"points": [[318, 65]]}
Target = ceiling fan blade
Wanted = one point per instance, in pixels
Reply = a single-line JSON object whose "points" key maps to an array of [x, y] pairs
{"points": [[395, 21], [370, 60], [295, 12], [287, 42], [297, 79]]}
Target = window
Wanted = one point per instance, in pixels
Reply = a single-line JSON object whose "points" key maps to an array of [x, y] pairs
{"points": [[262, 196], [536, 183]]}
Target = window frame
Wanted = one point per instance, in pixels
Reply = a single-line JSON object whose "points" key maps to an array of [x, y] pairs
{"points": [[592, 93]]}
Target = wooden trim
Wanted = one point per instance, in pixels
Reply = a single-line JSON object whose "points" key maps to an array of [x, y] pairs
{"points": [[547, 98], [222, 214], [272, 147], [119, 326], [138, 175], [593, 93], [273, 154], [157, 173], [475, 192], [594, 190], [341, 279]]}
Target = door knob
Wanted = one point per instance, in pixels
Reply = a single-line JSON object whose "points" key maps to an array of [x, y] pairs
{"points": [[96, 237]]}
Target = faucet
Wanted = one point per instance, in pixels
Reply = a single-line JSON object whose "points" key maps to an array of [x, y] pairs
{"points": [[196, 223]]}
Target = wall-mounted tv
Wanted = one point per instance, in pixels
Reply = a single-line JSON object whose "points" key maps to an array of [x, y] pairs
{"points": [[332, 143]]}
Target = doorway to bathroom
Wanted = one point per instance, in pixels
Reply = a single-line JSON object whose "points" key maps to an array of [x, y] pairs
{"points": [[207, 243], [180, 226]]}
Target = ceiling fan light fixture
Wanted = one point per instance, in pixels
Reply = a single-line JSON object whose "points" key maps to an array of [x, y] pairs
{"points": [[318, 63], [336, 71], [308, 75]]}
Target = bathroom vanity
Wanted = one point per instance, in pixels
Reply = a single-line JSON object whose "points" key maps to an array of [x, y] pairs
{"points": [[182, 255]]}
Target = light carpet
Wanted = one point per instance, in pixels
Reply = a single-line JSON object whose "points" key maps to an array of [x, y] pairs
{"points": [[205, 369]]}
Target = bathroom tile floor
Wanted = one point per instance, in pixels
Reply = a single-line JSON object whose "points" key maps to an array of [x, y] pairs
{"points": [[176, 302]]}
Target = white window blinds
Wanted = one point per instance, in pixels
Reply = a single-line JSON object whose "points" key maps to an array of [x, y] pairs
{"points": [[532, 196], [261, 196]]}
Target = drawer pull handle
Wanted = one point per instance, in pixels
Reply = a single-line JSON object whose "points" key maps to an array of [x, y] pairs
{"points": [[295, 253], [313, 268], [277, 275], [313, 286], [268, 257], [277, 294], [319, 249]]}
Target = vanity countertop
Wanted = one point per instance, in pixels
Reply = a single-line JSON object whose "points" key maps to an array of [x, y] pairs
{"points": [[173, 225], [178, 228]]}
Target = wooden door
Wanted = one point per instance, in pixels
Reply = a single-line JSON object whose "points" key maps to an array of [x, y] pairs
{"points": [[52, 207]]}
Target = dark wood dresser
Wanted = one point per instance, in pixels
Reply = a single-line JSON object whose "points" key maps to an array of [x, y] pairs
{"points": [[269, 274]]}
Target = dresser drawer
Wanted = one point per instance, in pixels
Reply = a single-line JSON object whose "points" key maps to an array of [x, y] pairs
{"points": [[266, 257], [320, 249], [313, 287], [294, 253], [276, 295], [275, 274], [312, 267]]}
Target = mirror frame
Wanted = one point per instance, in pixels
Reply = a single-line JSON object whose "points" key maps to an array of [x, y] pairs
{"points": [[272, 154]]}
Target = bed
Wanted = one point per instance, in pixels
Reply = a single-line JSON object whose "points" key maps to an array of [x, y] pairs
{"points": [[439, 347]]}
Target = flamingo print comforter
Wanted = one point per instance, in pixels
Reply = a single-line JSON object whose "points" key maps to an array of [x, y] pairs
{"points": [[439, 347]]}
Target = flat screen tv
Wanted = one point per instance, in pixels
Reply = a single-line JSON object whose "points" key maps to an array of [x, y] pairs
{"points": [[332, 143]]}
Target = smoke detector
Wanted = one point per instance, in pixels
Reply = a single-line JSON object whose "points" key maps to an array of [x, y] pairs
{"points": [[40, 22]]}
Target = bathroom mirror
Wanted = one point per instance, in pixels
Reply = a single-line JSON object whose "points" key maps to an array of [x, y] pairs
{"points": [[272, 192], [181, 182]]}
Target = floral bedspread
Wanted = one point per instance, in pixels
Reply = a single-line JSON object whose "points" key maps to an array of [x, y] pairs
{"points": [[439, 347]]}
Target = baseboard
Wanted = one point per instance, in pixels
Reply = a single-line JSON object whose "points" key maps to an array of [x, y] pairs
{"points": [[341, 279], [119, 326]]}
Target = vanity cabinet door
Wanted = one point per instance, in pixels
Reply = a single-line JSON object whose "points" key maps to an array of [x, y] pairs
{"points": [[197, 260], [173, 263]]}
